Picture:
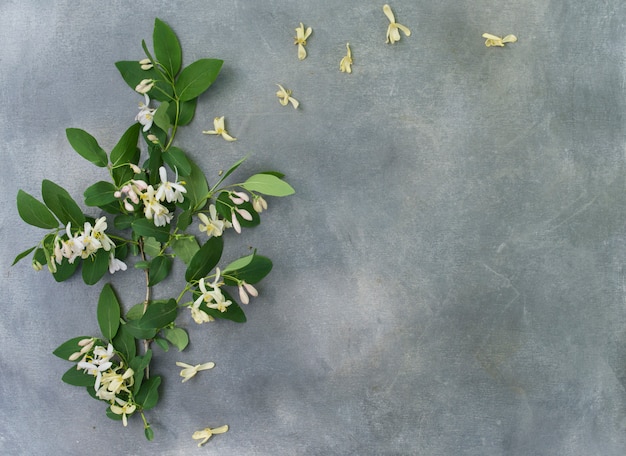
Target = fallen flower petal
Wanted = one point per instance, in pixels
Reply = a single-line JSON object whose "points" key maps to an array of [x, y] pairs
{"points": [[218, 124], [493, 40], [207, 433], [286, 98], [393, 33], [300, 40], [189, 371], [345, 66]]}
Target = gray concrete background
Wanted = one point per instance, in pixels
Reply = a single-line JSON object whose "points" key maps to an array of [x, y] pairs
{"points": [[449, 278]]}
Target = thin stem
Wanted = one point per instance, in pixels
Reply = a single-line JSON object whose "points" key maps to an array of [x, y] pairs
{"points": [[146, 302]]}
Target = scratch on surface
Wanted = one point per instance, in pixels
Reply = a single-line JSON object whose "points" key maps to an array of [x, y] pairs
{"points": [[576, 213]]}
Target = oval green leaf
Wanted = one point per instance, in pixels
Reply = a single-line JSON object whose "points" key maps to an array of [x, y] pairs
{"points": [[34, 212], [87, 146], [108, 312], [197, 77]]}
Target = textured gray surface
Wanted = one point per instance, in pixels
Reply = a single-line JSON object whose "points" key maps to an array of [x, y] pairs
{"points": [[449, 278]]}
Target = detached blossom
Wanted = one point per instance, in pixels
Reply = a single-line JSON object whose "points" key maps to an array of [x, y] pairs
{"points": [[145, 86], [207, 433], [220, 129], [213, 226], [189, 371], [146, 114], [169, 191], [393, 33], [492, 40], [286, 98], [345, 66], [300, 40], [124, 408]]}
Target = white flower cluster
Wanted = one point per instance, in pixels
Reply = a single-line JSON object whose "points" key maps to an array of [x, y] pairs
{"points": [[112, 382], [139, 191], [85, 243]]}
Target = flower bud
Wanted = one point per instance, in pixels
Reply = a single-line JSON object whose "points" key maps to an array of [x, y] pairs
{"points": [[144, 86], [244, 214], [146, 64]]}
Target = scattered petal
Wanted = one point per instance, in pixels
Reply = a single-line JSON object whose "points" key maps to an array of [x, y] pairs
{"points": [[493, 40], [220, 130], [345, 66], [285, 97], [393, 33], [300, 40]]}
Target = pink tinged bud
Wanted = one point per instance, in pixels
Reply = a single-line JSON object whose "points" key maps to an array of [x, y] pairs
{"points": [[235, 200], [244, 213], [235, 223], [141, 185], [129, 207], [250, 289], [242, 195], [243, 295], [117, 194], [136, 169], [133, 197]]}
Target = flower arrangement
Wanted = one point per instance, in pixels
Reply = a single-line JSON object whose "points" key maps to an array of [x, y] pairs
{"points": [[154, 195]]}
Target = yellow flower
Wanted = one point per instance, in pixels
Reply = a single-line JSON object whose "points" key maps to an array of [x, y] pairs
{"points": [[393, 34], [285, 97], [207, 433], [218, 124], [492, 40], [346, 62], [300, 40], [189, 370], [124, 408]]}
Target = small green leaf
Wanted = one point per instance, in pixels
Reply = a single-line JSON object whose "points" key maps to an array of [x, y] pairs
{"points": [[62, 204], [159, 314], [163, 344], [34, 212], [177, 160], [126, 148], [148, 395], [78, 378], [22, 255], [252, 269], [151, 247], [183, 220], [205, 259], [197, 77], [138, 364], [125, 343], [135, 312], [268, 184], [68, 348], [166, 47], [108, 312], [187, 110], [233, 312], [65, 270], [197, 187], [177, 336], [185, 248], [87, 146], [161, 118], [160, 267], [139, 332], [99, 194], [95, 266], [146, 228], [149, 433]]}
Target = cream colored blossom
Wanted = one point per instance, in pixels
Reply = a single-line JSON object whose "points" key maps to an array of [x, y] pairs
{"points": [[206, 433], [345, 66], [220, 130], [492, 40], [393, 33], [286, 98], [145, 86], [189, 371], [259, 204], [123, 408], [146, 64], [300, 40]]}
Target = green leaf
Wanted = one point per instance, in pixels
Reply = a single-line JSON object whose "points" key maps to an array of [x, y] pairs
{"points": [[161, 118], [230, 171], [123, 221], [149, 433], [125, 343], [268, 184], [177, 160], [22, 255], [138, 364], [252, 269], [185, 248], [197, 77], [62, 204], [139, 332], [233, 312], [148, 395], [133, 74], [163, 344], [146, 228], [197, 187], [126, 148], [166, 47], [187, 109], [87, 146], [151, 247], [177, 336], [135, 312], [205, 259], [34, 212], [95, 266], [78, 378], [108, 312], [183, 220], [158, 314], [99, 194], [65, 270], [159, 269], [68, 348]]}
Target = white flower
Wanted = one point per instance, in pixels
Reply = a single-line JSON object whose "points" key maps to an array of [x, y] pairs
{"points": [[492, 40], [199, 315], [213, 297], [170, 191], [220, 130], [235, 222], [393, 34], [93, 368], [91, 244], [146, 64], [213, 226], [189, 371], [71, 248], [124, 408], [300, 40], [286, 98], [207, 433], [145, 86], [345, 66], [98, 232], [153, 210], [259, 204], [115, 264], [146, 115], [244, 290]]}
